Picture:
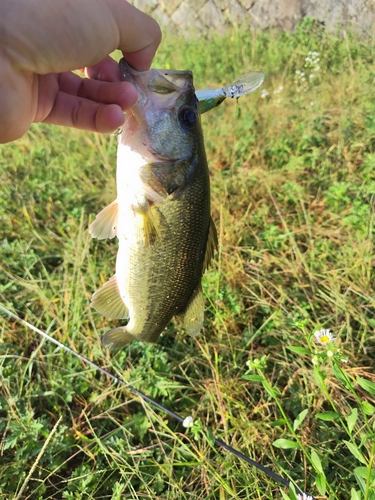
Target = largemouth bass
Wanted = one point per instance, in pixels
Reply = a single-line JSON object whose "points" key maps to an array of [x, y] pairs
{"points": [[161, 216]]}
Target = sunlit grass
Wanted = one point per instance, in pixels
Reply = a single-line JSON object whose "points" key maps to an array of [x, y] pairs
{"points": [[293, 189]]}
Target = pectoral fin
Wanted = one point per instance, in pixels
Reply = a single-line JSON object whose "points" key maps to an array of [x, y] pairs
{"points": [[117, 338], [194, 313], [211, 246], [150, 222], [108, 301], [150, 227], [105, 223]]}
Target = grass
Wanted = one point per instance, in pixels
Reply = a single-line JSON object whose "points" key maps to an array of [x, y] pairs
{"points": [[293, 190]]}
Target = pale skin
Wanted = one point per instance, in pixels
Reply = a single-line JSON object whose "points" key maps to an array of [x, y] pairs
{"points": [[43, 41]]}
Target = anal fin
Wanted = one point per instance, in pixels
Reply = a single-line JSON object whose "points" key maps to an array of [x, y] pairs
{"points": [[108, 301], [193, 315], [117, 338], [105, 223]]}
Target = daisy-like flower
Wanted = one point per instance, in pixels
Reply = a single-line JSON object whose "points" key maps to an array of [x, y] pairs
{"points": [[324, 336], [188, 422]]}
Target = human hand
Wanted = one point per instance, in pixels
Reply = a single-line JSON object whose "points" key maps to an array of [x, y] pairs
{"points": [[42, 41]]}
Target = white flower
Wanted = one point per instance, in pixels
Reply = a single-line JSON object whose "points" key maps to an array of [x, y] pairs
{"points": [[188, 422], [264, 93], [324, 336], [304, 496], [279, 89]]}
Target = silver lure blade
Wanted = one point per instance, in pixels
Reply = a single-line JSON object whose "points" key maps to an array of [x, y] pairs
{"points": [[244, 84]]}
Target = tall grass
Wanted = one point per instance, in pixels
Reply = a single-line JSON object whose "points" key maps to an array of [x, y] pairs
{"points": [[293, 189]]}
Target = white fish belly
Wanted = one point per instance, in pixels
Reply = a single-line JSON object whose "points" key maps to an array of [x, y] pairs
{"points": [[132, 282], [131, 193]]}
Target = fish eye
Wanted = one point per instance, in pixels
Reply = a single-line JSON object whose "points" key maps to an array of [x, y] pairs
{"points": [[187, 117]]}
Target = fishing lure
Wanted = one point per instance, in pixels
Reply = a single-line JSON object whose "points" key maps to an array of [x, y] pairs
{"points": [[243, 85]]}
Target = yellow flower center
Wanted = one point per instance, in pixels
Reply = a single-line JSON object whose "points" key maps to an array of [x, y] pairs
{"points": [[324, 339]]}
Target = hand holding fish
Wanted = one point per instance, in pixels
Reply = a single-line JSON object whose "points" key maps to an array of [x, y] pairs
{"points": [[44, 41]]}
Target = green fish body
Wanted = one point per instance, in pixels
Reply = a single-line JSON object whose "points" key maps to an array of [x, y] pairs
{"points": [[161, 216]]}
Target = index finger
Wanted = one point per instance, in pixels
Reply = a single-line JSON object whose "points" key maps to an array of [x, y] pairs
{"points": [[54, 37], [140, 57]]}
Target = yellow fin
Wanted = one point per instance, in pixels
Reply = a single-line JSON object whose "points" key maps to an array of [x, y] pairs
{"points": [[117, 338], [194, 313], [105, 223], [108, 301], [149, 222], [211, 246]]}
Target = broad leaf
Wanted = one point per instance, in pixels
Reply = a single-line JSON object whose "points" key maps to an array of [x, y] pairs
{"points": [[355, 452], [285, 444], [367, 385], [301, 417], [321, 483], [327, 415], [298, 350], [355, 495], [316, 462], [352, 419], [367, 408], [253, 378]]}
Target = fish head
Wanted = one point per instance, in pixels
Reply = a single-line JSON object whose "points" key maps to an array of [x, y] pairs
{"points": [[164, 124]]}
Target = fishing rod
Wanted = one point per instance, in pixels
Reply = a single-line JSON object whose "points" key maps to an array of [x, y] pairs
{"points": [[300, 494]]}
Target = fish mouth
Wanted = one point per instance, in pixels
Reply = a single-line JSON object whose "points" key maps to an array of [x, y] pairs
{"points": [[160, 81]]}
